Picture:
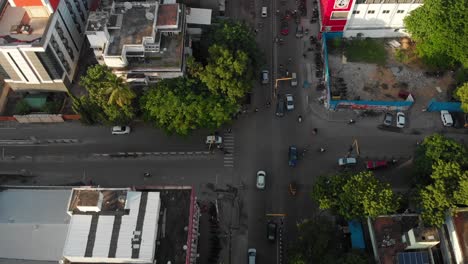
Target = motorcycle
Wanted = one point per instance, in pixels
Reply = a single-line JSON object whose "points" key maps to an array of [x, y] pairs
{"points": [[351, 121], [299, 119]]}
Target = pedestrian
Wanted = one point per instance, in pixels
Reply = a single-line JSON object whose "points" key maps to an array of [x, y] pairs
{"points": [[229, 130]]}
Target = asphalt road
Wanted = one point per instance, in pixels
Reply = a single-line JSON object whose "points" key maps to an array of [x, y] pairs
{"points": [[259, 141]]}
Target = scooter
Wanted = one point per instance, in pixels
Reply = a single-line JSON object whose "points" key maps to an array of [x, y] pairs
{"points": [[299, 119], [351, 121]]}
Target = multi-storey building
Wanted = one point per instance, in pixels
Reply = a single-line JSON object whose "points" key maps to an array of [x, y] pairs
{"points": [[366, 18], [40, 42], [141, 41]]}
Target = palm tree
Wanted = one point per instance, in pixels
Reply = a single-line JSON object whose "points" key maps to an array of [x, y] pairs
{"points": [[119, 92]]}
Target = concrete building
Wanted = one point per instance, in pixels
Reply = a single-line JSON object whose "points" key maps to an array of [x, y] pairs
{"points": [[455, 232], [141, 41], [40, 42], [366, 18]]}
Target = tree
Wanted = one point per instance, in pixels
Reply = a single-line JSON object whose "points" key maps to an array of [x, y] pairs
{"points": [[181, 105], [434, 148], [317, 243], [355, 196], [440, 29], [449, 189], [462, 95], [227, 73], [233, 35], [109, 98]]}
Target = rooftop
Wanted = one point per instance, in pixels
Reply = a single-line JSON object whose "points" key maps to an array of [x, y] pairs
{"points": [[137, 22], [16, 26], [461, 226], [168, 15], [388, 234], [33, 223]]}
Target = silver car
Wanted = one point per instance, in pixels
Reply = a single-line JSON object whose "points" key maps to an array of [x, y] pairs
{"points": [[265, 77], [289, 102], [261, 179]]}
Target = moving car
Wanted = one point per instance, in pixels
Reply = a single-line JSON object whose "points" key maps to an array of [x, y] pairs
{"points": [[265, 78], [400, 120], [347, 161], [214, 139], [280, 107], [289, 102], [376, 164], [292, 156], [120, 130], [261, 179], [293, 79], [446, 117], [388, 119], [251, 253], [271, 231], [264, 11], [284, 28]]}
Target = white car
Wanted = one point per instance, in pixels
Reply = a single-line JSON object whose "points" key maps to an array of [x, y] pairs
{"points": [[120, 130], [400, 120], [261, 179], [289, 102], [446, 117], [347, 161]]}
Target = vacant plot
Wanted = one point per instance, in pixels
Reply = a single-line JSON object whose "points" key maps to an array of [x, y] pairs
{"points": [[365, 50]]}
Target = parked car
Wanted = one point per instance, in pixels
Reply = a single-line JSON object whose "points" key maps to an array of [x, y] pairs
{"points": [[271, 231], [347, 161], [292, 156], [265, 77], [400, 120], [376, 164], [261, 179], [446, 117], [120, 130], [252, 254], [284, 28], [289, 102], [388, 119]]}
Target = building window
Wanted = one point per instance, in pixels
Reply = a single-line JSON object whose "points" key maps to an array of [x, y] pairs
{"points": [[371, 12], [337, 15], [355, 12], [50, 63], [386, 12], [400, 11]]}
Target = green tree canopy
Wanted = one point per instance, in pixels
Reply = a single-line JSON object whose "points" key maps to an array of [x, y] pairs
{"points": [[449, 189], [440, 29], [109, 99], [233, 35], [434, 148], [227, 73], [462, 94], [355, 196], [318, 243], [179, 106]]}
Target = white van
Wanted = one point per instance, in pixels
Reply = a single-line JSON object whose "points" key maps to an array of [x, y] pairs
{"points": [[446, 118], [264, 11], [294, 79]]}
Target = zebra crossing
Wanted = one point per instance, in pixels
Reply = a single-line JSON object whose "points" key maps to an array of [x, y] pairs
{"points": [[229, 150]]}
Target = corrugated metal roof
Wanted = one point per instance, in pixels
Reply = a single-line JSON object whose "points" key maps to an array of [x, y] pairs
{"points": [[199, 16], [33, 223]]}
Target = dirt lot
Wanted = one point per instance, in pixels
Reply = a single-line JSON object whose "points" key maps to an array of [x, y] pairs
{"points": [[365, 81]]}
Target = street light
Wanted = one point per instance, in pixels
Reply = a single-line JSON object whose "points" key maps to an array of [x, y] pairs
{"points": [[276, 84]]}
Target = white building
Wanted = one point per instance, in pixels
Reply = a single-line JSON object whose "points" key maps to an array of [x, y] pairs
{"points": [[378, 18], [33, 224], [112, 226], [141, 41], [40, 42]]}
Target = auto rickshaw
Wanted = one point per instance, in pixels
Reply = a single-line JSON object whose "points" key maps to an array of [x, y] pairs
{"points": [[292, 188]]}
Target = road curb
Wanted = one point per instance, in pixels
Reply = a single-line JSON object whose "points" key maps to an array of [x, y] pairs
{"points": [[149, 154]]}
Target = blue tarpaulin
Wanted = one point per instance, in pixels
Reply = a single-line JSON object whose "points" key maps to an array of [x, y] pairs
{"points": [[357, 236]]}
